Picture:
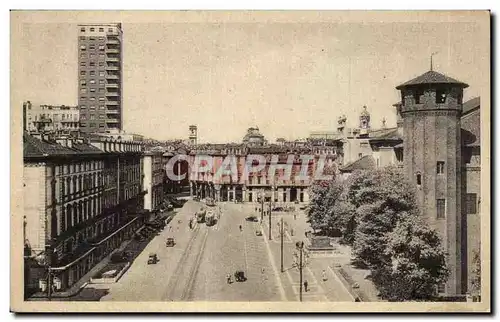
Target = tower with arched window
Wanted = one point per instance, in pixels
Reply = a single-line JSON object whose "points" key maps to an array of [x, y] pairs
{"points": [[431, 109]]}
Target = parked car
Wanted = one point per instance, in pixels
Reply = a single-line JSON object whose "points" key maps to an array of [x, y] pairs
{"points": [[239, 276], [258, 233], [252, 219], [170, 242], [153, 258]]}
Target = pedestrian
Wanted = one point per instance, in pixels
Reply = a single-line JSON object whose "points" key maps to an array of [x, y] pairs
{"points": [[323, 274], [294, 216], [305, 285]]}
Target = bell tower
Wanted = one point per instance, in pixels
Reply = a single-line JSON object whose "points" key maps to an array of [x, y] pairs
{"points": [[193, 134], [431, 106]]}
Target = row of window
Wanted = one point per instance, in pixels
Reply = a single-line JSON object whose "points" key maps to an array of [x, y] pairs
{"points": [[92, 55], [81, 183], [92, 38], [91, 64], [76, 213], [92, 99], [92, 116], [93, 29], [79, 167], [93, 73], [92, 107], [55, 116], [439, 170], [93, 125], [101, 90], [471, 206], [92, 47], [441, 95]]}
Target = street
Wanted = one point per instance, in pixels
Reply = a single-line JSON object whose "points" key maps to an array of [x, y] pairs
{"points": [[196, 268]]}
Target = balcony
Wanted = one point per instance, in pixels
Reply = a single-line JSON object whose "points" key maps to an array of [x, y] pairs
{"points": [[111, 76], [112, 50], [112, 85], [112, 67], [114, 112], [112, 121], [113, 40], [112, 103], [113, 94], [112, 59]]}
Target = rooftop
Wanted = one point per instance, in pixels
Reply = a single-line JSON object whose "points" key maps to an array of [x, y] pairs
{"points": [[364, 163], [34, 147], [432, 77], [471, 104]]}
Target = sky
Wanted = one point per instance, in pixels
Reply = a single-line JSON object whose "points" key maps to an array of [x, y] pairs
{"points": [[287, 78]]}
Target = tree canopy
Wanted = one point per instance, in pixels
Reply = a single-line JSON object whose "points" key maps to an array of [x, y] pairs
{"points": [[375, 212]]}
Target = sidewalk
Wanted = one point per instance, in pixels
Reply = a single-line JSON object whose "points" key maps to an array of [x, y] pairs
{"points": [[77, 287], [82, 282], [336, 287]]}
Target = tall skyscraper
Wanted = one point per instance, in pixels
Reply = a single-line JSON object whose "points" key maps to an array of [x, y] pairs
{"points": [[100, 77]]}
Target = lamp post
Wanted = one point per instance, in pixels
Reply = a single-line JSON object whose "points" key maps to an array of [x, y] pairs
{"points": [[270, 231], [261, 207], [282, 233], [270, 210], [300, 248]]}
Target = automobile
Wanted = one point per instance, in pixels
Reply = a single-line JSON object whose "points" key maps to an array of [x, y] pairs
{"points": [[278, 209], [302, 207], [170, 242], [239, 276], [258, 233], [170, 207], [252, 219], [152, 259], [296, 202]]}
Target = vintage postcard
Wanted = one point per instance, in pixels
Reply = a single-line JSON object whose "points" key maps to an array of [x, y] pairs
{"points": [[242, 161]]}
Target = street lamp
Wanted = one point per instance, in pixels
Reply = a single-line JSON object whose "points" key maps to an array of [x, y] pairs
{"points": [[270, 209], [281, 235], [261, 207], [301, 262]]}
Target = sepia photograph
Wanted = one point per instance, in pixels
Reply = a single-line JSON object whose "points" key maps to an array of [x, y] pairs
{"points": [[250, 161]]}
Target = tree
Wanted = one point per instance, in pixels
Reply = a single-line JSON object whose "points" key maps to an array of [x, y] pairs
{"points": [[382, 198], [418, 262], [321, 212]]}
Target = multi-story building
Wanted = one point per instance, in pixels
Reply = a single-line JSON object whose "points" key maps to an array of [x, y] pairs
{"points": [[439, 156], [153, 180], [272, 181], [100, 77], [437, 143], [82, 198], [51, 118]]}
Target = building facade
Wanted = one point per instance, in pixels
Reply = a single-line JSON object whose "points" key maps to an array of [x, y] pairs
{"points": [[51, 118], [82, 198], [153, 180], [272, 184], [100, 77], [437, 143]]}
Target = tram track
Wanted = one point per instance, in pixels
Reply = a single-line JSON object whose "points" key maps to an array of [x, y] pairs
{"points": [[182, 280]]}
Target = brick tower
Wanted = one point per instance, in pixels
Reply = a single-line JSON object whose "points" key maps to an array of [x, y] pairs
{"points": [[430, 111]]}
